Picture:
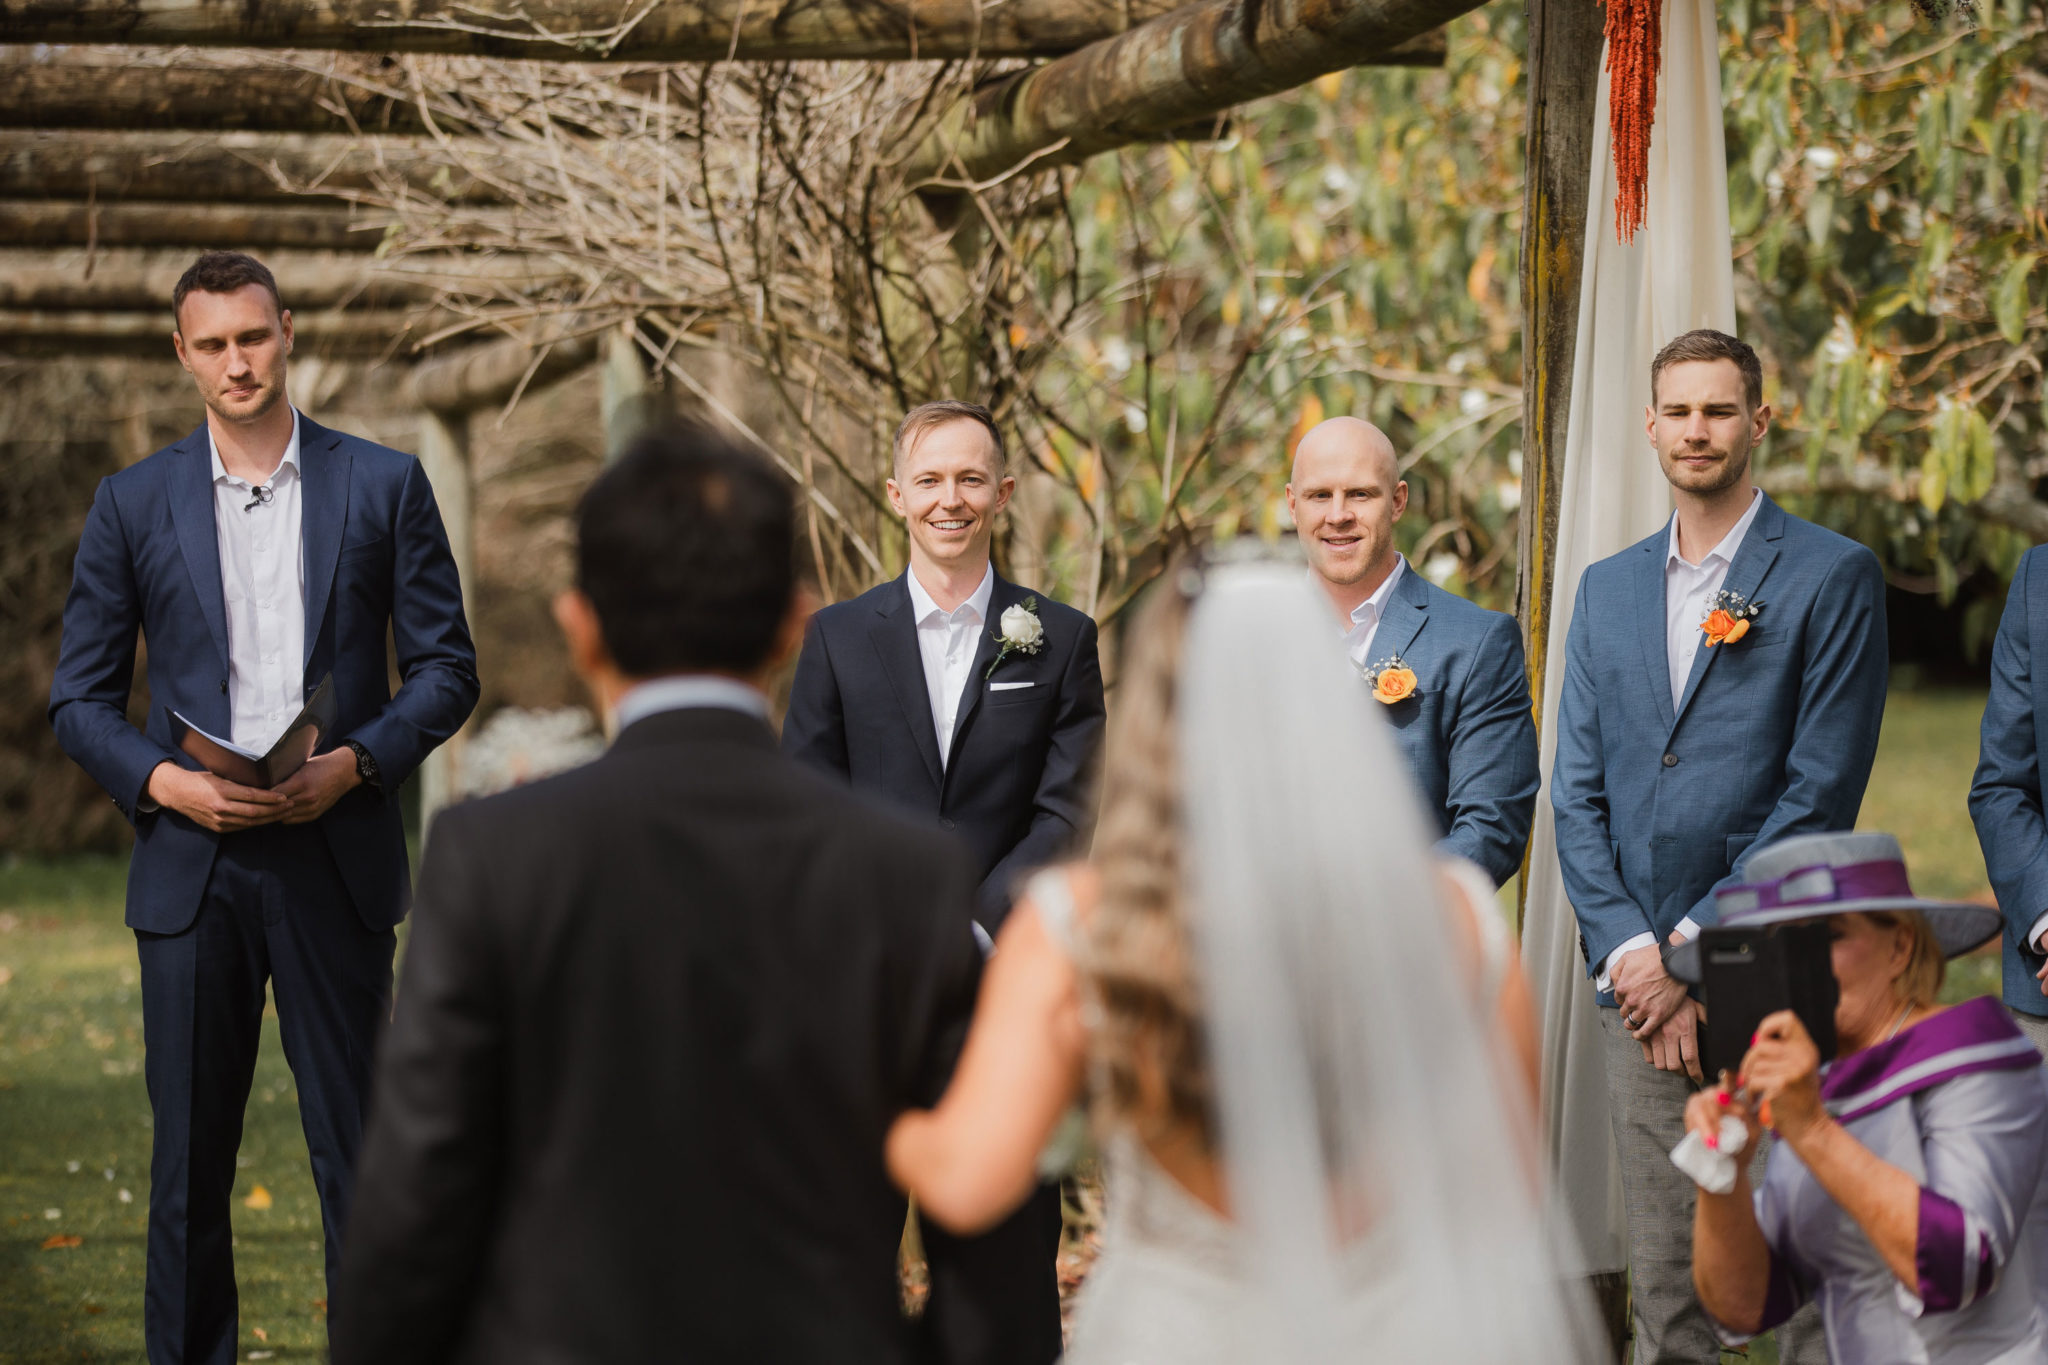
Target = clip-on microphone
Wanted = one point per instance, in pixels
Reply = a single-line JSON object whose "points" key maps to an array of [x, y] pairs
{"points": [[259, 497]]}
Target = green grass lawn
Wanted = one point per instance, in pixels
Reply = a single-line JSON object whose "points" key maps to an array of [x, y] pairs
{"points": [[74, 1118]]}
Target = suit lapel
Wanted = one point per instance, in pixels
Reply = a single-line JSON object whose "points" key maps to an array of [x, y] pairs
{"points": [[1406, 614], [323, 511], [1649, 604], [1754, 560], [192, 514], [1004, 596], [894, 633]]}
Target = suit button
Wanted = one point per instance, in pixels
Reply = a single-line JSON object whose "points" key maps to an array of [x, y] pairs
{"points": [[945, 823], [223, 684], [1671, 760]]}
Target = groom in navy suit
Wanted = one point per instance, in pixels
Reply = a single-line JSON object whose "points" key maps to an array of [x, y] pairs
{"points": [[2005, 795], [1724, 684], [259, 555], [1466, 728], [975, 705]]}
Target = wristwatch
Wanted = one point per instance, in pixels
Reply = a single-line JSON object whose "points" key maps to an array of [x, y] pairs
{"points": [[366, 767]]}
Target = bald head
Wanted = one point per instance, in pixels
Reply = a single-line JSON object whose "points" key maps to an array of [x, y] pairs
{"points": [[1346, 493], [1346, 439]]}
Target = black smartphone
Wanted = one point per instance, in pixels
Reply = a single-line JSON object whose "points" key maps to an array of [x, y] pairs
{"points": [[1749, 973]]}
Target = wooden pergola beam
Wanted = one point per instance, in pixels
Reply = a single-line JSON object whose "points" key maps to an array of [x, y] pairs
{"points": [[134, 278], [1191, 64], [97, 87], [583, 30], [233, 167], [487, 375], [339, 332], [160, 223]]}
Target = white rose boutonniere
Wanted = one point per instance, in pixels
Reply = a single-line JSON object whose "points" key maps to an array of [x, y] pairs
{"points": [[1019, 632]]}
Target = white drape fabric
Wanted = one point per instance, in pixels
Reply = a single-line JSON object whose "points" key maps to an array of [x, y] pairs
{"points": [[1678, 274]]}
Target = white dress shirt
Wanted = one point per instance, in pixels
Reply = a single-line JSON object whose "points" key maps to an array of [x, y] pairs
{"points": [[1689, 591], [947, 641], [686, 691], [263, 582], [1365, 617]]}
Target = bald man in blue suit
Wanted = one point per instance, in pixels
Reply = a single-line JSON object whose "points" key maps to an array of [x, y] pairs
{"points": [[1466, 729]]}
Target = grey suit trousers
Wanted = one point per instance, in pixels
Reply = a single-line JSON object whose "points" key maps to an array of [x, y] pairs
{"points": [[1647, 1108], [2035, 1026]]}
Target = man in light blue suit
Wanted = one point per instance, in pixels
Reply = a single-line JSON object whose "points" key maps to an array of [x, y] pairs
{"points": [[1724, 684], [257, 556], [1466, 727], [2005, 795]]}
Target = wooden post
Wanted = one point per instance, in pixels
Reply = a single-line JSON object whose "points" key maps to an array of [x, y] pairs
{"points": [[626, 400], [444, 454], [1562, 99]]}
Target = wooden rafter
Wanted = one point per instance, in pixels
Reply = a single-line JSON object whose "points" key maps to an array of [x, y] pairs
{"points": [[228, 167], [580, 30]]}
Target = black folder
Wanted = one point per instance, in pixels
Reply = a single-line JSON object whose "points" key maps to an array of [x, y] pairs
{"points": [[299, 742]]}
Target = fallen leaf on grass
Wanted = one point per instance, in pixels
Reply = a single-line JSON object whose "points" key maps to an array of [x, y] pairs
{"points": [[260, 1334], [95, 1309], [62, 1241], [258, 1198]]}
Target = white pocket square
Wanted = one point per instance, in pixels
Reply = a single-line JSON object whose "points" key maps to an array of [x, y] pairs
{"points": [[1009, 687]]}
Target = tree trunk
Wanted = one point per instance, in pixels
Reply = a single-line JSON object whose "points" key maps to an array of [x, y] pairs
{"points": [[366, 332], [43, 87], [1189, 65], [236, 167], [1564, 48], [584, 30], [129, 277], [128, 222]]}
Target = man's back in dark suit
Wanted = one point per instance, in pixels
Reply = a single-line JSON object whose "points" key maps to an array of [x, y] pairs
{"points": [[655, 1018]]}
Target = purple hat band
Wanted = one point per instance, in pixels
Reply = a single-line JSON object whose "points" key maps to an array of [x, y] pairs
{"points": [[1818, 886]]}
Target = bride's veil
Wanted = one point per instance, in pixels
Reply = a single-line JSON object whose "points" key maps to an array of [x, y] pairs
{"points": [[1379, 1166]]}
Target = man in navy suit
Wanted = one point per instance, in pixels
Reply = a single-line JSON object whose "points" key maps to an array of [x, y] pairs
{"points": [[1724, 685], [975, 705], [1466, 728], [2005, 796], [259, 555]]}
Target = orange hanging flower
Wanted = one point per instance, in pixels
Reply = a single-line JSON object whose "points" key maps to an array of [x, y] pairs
{"points": [[1635, 42]]}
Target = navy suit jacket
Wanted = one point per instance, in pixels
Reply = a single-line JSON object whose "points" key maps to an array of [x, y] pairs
{"points": [[2005, 795], [1467, 732], [1018, 785], [376, 559], [1774, 735]]}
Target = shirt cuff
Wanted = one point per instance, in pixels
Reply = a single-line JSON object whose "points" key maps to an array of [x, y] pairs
{"points": [[1602, 981], [2034, 934], [1686, 929]]}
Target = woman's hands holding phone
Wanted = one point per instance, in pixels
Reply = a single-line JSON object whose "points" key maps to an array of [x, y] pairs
{"points": [[1705, 1110]]}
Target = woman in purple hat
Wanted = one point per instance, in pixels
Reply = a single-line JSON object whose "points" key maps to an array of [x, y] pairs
{"points": [[1908, 1187]]}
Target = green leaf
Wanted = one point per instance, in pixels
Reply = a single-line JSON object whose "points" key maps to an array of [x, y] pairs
{"points": [[2009, 299]]}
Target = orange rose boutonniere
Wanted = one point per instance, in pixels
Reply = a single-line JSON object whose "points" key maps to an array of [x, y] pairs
{"points": [[1391, 680], [1730, 619]]}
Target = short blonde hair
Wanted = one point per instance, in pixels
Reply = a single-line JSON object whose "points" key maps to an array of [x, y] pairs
{"points": [[1926, 966], [925, 416]]}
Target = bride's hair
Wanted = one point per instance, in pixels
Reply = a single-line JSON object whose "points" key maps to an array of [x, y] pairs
{"points": [[1152, 1068]]}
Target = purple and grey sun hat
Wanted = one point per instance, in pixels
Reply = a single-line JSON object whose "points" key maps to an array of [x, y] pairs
{"points": [[1810, 875]]}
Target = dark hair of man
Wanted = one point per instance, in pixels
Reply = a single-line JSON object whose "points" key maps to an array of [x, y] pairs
{"points": [[685, 547], [223, 272], [1708, 344], [925, 416]]}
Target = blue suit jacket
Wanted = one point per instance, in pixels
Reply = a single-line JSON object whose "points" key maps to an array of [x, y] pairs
{"points": [[1468, 732], [1773, 735], [1017, 788], [2005, 795], [376, 557]]}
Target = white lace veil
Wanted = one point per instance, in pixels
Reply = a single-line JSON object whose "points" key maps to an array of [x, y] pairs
{"points": [[1378, 1170]]}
